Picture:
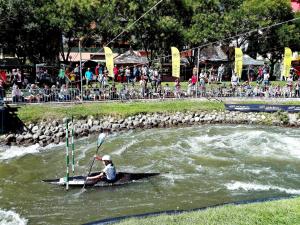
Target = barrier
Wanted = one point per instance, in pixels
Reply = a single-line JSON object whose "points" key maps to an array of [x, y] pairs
{"points": [[133, 92], [262, 108]]}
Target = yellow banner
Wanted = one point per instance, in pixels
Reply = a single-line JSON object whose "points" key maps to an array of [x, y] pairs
{"points": [[175, 62], [109, 58], [238, 64], [287, 62]]}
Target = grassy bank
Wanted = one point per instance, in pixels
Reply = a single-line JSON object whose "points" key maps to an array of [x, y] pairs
{"points": [[35, 113], [275, 212]]}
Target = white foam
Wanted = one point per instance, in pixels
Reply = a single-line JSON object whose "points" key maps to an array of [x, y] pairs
{"points": [[11, 218], [125, 147], [259, 187], [15, 151], [263, 144]]}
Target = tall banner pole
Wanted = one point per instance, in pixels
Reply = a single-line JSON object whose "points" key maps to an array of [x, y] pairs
{"points": [[67, 155], [81, 83], [73, 148], [197, 72]]}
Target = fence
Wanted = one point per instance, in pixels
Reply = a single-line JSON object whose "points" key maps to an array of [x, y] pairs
{"points": [[40, 95]]}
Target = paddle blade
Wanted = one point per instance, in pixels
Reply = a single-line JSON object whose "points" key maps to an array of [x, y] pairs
{"points": [[101, 139]]}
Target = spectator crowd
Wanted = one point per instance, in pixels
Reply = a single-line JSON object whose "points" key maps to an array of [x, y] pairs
{"points": [[139, 82]]}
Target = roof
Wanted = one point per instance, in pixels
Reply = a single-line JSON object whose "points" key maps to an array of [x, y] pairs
{"points": [[212, 53], [85, 56], [131, 57], [247, 61]]}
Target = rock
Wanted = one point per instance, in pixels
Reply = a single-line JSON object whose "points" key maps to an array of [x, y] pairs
{"points": [[197, 119], [95, 129], [42, 137], [96, 122], [106, 125], [85, 127], [90, 123], [28, 136], [10, 138], [60, 134], [20, 138], [54, 123], [42, 143], [36, 136], [137, 123], [115, 126], [35, 129], [47, 132]]}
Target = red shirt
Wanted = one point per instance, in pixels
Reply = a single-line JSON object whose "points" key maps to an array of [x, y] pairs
{"points": [[194, 79], [3, 76], [116, 71]]}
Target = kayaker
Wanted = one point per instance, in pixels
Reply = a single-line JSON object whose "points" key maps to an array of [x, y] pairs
{"points": [[108, 173]]}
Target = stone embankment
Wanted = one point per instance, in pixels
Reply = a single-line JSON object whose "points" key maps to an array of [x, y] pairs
{"points": [[46, 132]]}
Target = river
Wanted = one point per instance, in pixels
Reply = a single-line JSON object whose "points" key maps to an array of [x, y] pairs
{"points": [[200, 166]]}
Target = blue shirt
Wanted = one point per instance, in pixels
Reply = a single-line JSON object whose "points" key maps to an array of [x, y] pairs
{"points": [[89, 75]]}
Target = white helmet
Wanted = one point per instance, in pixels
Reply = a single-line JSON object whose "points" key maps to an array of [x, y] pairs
{"points": [[106, 158]]}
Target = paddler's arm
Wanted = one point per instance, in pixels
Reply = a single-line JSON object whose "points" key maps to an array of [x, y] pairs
{"points": [[96, 177]]}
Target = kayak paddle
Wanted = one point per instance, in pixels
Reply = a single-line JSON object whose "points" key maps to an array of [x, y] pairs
{"points": [[99, 143]]}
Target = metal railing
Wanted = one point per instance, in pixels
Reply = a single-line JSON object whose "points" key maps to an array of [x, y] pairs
{"points": [[41, 95]]}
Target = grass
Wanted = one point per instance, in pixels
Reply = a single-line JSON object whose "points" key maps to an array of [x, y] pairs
{"points": [[39, 112], [35, 113], [275, 212]]}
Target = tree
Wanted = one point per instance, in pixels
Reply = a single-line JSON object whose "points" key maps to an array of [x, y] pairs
{"points": [[157, 31]]}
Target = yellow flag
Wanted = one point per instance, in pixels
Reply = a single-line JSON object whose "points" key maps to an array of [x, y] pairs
{"points": [[109, 58], [287, 62], [238, 64], [175, 62]]}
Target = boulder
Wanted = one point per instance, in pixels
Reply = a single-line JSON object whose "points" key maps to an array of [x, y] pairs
{"points": [[10, 138], [35, 129], [28, 136]]}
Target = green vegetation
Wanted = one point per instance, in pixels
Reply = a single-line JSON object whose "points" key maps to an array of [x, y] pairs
{"points": [[33, 29], [34, 113], [38, 112], [275, 212]]}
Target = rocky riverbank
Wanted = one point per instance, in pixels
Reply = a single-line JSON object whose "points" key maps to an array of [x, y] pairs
{"points": [[47, 132]]}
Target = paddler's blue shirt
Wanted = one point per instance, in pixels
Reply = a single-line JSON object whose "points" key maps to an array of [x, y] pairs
{"points": [[110, 172]]}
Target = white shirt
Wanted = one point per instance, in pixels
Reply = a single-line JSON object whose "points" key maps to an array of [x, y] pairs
{"points": [[266, 76], [110, 172]]}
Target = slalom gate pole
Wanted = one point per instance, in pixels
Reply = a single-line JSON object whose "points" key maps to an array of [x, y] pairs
{"points": [[73, 148], [67, 154]]}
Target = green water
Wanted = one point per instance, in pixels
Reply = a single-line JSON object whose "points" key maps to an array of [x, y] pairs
{"points": [[200, 166]]}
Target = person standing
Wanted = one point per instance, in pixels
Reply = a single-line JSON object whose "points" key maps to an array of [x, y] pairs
{"points": [[221, 71], [127, 74], [88, 76], [116, 72], [121, 72], [290, 85], [136, 73], [266, 79], [297, 88]]}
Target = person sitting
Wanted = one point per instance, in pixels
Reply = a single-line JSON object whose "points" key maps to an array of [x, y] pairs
{"points": [[17, 95], [108, 173]]}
